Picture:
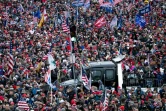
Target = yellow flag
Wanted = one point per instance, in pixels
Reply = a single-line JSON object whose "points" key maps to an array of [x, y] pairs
{"points": [[41, 21]]}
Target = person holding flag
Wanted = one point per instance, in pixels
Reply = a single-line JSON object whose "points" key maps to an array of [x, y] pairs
{"points": [[52, 66], [43, 18]]}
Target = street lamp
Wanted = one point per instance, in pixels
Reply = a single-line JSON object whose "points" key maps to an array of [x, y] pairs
{"points": [[73, 40]]}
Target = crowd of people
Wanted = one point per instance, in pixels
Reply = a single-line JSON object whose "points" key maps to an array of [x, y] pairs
{"points": [[24, 87]]}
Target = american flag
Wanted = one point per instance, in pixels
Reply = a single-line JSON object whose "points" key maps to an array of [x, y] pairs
{"points": [[117, 1], [130, 6], [84, 77], [104, 100], [10, 63], [6, 16], [65, 27], [23, 105]]}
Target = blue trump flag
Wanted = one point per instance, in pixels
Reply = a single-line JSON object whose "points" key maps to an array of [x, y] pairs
{"points": [[119, 22], [111, 1], [139, 20], [38, 14], [78, 3], [144, 10], [87, 4], [107, 8]]}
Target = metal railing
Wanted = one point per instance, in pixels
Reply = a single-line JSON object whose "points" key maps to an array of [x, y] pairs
{"points": [[147, 82]]}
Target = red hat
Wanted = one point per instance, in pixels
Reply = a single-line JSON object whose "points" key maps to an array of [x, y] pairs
{"points": [[119, 87], [95, 52], [73, 101], [114, 92], [122, 108], [142, 102], [12, 103], [61, 87], [64, 71], [24, 95], [150, 94], [1, 98], [74, 95], [42, 94], [14, 86], [21, 68]]}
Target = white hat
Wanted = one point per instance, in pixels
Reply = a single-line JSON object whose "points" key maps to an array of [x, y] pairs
{"points": [[10, 100], [61, 101], [141, 70]]}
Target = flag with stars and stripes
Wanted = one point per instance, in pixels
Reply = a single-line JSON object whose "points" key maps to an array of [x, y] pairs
{"points": [[65, 27], [117, 1], [23, 105], [10, 63], [6, 16], [104, 100], [84, 77], [129, 7]]}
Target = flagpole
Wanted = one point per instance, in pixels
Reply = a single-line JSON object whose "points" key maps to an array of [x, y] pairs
{"points": [[77, 19], [104, 97], [51, 67], [74, 55], [104, 81], [81, 70], [75, 84], [51, 90], [56, 18], [120, 49]]}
